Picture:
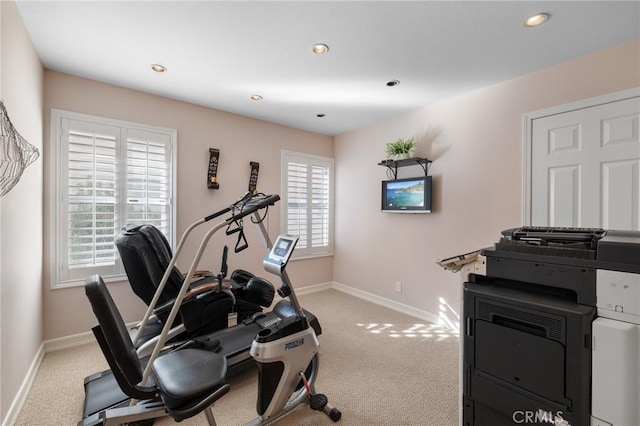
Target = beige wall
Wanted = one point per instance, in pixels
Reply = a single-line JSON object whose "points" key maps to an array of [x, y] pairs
{"points": [[240, 140], [20, 212], [477, 173]]}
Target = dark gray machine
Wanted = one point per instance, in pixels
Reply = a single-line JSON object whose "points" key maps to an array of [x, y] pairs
{"points": [[528, 325]]}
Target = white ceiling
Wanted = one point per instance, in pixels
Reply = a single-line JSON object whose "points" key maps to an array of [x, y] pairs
{"points": [[218, 53]]}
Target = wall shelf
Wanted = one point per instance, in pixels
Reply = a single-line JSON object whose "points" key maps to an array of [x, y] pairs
{"points": [[416, 161]]}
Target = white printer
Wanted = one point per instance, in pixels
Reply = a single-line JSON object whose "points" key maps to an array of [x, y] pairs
{"points": [[616, 339]]}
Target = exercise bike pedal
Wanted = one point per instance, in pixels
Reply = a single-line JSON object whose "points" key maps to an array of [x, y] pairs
{"points": [[321, 402]]}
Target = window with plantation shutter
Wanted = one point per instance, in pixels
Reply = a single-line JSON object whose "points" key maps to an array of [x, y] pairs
{"points": [[90, 196], [107, 173], [149, 179], [307, 200]]}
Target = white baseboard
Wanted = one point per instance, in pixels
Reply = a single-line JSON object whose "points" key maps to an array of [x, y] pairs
{"points": [[388, 303], [314, 288], [373, 298], [370, 297], [23, 392], [74, 340], [68, 341]]}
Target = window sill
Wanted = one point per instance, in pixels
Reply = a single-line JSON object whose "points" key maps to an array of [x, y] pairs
{"points": [[311, 256], [81, 283]]}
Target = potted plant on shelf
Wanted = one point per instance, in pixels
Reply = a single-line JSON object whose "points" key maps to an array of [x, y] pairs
{"points": [[400, 149]]}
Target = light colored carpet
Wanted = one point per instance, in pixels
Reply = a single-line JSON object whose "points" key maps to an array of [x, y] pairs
{"points": [[378, 366]]}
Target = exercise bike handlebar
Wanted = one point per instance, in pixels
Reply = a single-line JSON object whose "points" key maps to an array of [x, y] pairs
{"points": [[246, 205], [244, 198], [249, 207]]}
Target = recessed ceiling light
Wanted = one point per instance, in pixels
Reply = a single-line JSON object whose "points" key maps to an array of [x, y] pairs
{"points": [[536, 20], [320, 48], [256, 97], [393, 83], [158, 68]]}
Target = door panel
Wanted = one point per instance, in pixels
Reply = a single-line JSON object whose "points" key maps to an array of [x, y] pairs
{"points": [[620, 130], [620, 195], [564, 193], [585, 165]]}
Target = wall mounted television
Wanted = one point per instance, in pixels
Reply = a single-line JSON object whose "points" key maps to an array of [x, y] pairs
{"points": [[410, 195]]}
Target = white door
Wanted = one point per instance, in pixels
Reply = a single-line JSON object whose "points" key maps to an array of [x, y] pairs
{"points": [[585, 167]]}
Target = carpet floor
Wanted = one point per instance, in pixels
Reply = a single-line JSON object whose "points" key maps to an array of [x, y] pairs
{"points": [[378, 366]]}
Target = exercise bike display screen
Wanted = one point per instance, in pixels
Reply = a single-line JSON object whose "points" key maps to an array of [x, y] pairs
{"points": [[279, 255], [282, 247]]}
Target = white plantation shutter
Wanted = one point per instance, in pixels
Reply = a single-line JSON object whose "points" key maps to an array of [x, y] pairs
{"points": [[320, 206], [297, 206], [148, 179], [108, 174], [88, 198], [307, 187]]}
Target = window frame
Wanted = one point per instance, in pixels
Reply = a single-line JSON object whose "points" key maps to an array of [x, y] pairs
{"points": [[311, 160], [57, 206]]}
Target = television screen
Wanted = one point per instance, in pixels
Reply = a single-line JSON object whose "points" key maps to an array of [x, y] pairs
{"points": [[412, 195]]}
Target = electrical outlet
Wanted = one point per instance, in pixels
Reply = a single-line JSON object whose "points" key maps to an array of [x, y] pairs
{"points": [[398, 287]]}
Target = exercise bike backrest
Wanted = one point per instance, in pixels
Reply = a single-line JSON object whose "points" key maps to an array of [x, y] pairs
{"points": [[145, 254]]}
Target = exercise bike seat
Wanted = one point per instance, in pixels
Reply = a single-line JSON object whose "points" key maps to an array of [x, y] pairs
{"points": [[188, 381]]}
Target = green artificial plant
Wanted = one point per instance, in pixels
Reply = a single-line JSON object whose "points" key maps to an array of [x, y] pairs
{"points": [[400, 148]]}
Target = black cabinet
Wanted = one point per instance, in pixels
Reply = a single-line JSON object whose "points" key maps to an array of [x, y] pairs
{"points": [[526, 351]]}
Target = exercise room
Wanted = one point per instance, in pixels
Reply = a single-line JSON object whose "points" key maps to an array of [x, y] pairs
{"points": [[320, 212]]}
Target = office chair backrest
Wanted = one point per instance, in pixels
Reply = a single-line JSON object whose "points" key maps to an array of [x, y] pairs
{"points": [[146, 254], [114, 330]]}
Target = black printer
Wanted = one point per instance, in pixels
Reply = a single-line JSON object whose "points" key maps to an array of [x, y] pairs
{"points": [[527, 324]]}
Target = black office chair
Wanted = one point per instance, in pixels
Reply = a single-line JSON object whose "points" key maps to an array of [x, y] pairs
{"points": [[188, 381]]}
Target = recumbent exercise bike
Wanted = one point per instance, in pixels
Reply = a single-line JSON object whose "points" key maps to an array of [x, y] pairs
{"points": [[287, 321]]}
